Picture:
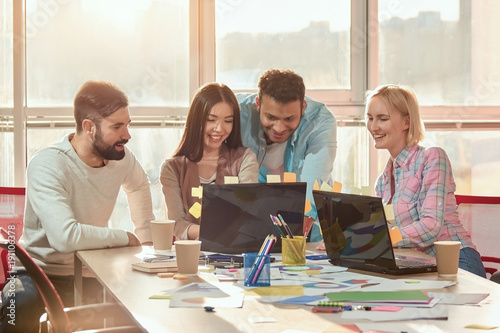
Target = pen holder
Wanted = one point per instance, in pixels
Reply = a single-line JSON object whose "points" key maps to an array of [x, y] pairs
{"points": [[257, 270], [293, 251]]}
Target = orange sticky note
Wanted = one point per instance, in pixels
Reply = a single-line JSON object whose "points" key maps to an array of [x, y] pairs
{"points": [[289, 177], [197, 192], [308, 206], [337, 187], [395, 235], [316, 186], [273, 179], [195, 210]]}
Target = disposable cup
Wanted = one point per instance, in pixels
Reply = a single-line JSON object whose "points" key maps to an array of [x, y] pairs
{"points": [[163, 233], [447, 255], [187, 254]]}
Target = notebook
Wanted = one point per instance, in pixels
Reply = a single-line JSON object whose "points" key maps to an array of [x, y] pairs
{"points": [[235, 217], [356, 235]]}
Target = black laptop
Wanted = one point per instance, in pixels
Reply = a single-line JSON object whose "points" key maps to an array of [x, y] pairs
{"points": [[235, 217], [356, 235]]}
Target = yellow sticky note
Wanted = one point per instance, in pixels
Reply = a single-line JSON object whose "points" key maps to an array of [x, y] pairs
{"points": [[481, 327], [197, 192], [366, 190], [316, 186], [337, 187], [395, 235], [289, 177], [195, 210], [231, 180], [355, 190], [308, 206], [325, 187], [276, 291], [389, 212], [273, 179]]}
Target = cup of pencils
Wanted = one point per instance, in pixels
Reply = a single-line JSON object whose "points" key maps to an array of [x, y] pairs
{"points": [[293, 251], [257, 269]]}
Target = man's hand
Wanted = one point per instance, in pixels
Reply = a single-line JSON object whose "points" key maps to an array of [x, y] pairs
{"points": [[133, 240]]}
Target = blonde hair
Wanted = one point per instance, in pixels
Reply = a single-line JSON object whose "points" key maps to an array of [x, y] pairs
{"points": [[398, 98]]}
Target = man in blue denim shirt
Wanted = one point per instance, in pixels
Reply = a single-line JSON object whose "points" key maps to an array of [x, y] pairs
{"points": [[289, 132]]}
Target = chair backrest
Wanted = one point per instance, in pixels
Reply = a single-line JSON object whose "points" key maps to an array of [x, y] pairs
{"points": [[12, 201], [54, 306], [480, 215]]}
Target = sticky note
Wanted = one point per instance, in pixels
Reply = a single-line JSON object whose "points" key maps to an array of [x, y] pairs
{"points": [[481, 327], [316, 186], [389, 212], [308, 206], [273, 179], [197, 192], [166, 275], [160, 297], [325, 187], [289, 177], [195, 210], [355, 190], [337, 187], [231, 180], [395, 235], [366, 190]]}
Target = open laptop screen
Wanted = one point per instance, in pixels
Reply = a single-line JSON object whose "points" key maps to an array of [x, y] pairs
{"points": [[354, 229], [235, 217]]}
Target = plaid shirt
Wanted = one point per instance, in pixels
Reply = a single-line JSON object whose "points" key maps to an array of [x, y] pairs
{"points": [[424, 200]]}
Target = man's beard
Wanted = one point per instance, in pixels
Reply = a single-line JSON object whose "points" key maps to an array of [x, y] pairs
{"points": [[106, 151]]}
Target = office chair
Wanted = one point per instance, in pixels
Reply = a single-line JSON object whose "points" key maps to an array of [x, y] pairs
{"points": [[11, 218], [480, 216], [61, 320]]}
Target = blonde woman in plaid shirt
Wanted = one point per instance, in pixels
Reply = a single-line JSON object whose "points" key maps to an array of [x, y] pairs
{"points": [[417, 181]]}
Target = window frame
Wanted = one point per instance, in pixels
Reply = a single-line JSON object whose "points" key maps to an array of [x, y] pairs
{"points": [[347, 105]]}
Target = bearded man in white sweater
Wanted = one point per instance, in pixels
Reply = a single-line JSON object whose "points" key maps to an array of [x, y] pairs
{"points": [[71, 190]]}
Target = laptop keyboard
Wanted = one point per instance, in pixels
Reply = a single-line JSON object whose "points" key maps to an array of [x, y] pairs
{"points": [[411, 262]]}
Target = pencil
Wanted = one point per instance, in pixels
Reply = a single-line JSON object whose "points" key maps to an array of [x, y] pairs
{"points": [[287, 228]]}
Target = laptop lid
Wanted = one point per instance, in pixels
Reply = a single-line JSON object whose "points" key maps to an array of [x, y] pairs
{"points": [[356, 234], [235, 217]]}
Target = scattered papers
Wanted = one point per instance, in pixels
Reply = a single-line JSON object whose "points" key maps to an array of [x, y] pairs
{"points": [[404, 314], [392, 297], [459, 299], [198, 295]]}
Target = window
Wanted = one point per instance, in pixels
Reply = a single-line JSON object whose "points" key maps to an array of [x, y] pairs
{"points": [[6, 55], [459, 62], [254, 35], [160, 51], [142, 46]]}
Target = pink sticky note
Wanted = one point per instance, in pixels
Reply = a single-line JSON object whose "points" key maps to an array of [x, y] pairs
{"points": [[387, 308]]}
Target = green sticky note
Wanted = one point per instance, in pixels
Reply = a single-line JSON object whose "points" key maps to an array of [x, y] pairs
{"points": [[160, 297]]}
